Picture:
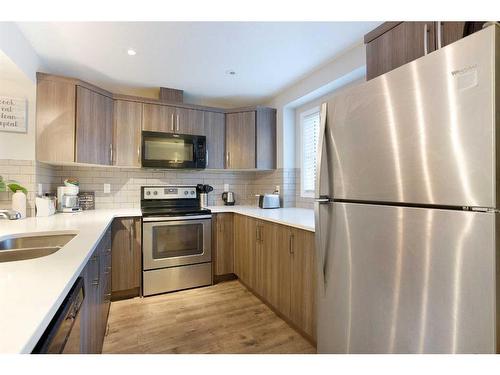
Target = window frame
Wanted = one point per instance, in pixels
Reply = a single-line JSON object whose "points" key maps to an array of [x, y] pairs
{"points": [[302, 115]]}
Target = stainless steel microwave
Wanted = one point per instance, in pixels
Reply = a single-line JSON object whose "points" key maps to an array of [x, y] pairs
{"points": [[173, 151]]}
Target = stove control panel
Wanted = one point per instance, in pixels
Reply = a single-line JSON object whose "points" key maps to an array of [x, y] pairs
{"points": [[169, 192]]}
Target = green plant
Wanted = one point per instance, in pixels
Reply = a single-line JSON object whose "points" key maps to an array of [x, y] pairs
{"points": [[12, 186]]}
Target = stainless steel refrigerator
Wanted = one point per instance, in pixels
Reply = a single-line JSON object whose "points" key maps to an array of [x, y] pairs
{"points": [[407, 201]]}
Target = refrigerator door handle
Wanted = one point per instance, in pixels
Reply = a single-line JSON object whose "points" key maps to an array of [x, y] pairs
{"points": [[321, 248], [321, 146]]}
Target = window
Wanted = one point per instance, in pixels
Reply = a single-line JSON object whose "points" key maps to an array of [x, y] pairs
{"points": [[309, 131]]}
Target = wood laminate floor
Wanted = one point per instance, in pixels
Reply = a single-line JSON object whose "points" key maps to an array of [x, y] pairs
{"points": [[223, 318]]}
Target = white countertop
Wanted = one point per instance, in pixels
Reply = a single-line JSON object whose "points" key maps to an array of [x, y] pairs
{"points": [[301, 218], [32, 290]]}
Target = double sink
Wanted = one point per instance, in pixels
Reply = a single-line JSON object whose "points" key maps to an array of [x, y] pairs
{"points": [[24, 247]]}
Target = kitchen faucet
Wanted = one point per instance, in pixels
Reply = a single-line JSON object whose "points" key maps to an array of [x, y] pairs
{"points": [[10, 214]]}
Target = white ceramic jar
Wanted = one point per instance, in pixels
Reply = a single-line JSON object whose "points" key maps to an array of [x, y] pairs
{"points": [[19, 203]]}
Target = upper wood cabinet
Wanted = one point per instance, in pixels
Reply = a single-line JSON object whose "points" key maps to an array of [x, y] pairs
{"points": [[393, 44], [127, 133], [158, 118], [79, 122], [404, 42], [251, 139], [168, 119], [94, 127], [240, 140], [215, 131], [55, 120]]}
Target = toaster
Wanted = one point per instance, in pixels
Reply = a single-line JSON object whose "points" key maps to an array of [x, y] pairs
{"points": [[269, 201]]}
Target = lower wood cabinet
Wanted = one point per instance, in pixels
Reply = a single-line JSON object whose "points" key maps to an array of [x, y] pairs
{"points": [[126, 257], [97, 289], [278, 263], [222, 244]]}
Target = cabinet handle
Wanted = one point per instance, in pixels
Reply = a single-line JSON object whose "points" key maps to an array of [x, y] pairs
{"points": [[172, 122], [228, 159], [440, 34], [108, 270], [290, 244], [111, 153], [95, 282], [426, 39], [139, 154], [177, 123], [131, 237], [206, 157]]}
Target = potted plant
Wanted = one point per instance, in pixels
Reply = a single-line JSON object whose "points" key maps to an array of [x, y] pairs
{"points": [[18, 196]]}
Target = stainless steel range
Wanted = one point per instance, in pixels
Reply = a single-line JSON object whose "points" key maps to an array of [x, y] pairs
{"points": [[176, 239]]}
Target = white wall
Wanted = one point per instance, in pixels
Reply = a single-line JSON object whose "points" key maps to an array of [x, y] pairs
{"points": [[14, 83], [343, 69], [18, 66]]}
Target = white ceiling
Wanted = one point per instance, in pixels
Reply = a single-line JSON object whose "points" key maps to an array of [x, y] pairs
{"points": [[193, 56]]}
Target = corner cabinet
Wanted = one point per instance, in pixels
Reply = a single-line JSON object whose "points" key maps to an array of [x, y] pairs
{"points": [[251, 139], [94, 127], [74, 123]]}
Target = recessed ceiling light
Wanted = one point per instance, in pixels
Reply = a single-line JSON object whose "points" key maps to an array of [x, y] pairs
{"points": [[231, 72], [131, 52]]}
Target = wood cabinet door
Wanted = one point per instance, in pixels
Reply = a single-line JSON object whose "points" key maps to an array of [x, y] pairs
{"points": [[127, 133], [401, 44], [88, 315], [94, 127], [266, 138], [240, 140], [450, 31], [158, 118], [55, 121], [267, 262], [245, 232], [189, 121], [224, 244], [126, 254], [303, 281], [215, 131]]}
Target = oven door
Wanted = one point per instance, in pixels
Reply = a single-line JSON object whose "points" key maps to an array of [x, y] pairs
{"points": [[178, 241]]}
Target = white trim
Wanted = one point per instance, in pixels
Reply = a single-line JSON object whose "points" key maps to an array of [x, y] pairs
{"points": [[304, 193]]}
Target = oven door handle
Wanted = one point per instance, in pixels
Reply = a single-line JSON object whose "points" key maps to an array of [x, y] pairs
{"points": [[175, 218]]}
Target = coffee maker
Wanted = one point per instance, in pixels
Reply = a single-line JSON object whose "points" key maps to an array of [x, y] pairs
{"points": [[67, 199], [228, 198]]}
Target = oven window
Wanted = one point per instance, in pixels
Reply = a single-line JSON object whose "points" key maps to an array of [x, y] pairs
{"points": [[175, 150], [171, 241]]}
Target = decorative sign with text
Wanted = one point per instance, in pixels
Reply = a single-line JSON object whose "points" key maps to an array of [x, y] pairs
{"points": [[12, 114]]}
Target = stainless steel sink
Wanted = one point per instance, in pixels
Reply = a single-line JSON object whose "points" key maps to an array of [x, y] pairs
{"points": [[32, 246]]}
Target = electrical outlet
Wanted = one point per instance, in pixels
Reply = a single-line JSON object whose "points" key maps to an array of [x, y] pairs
{"points": [[40, 190], [226, 187], [107, 188]]}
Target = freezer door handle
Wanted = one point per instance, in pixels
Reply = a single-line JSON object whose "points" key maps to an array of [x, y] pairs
{"points": [[321, 146]]}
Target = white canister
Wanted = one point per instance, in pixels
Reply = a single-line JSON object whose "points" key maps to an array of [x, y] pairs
{"points": [[19, 203]]}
